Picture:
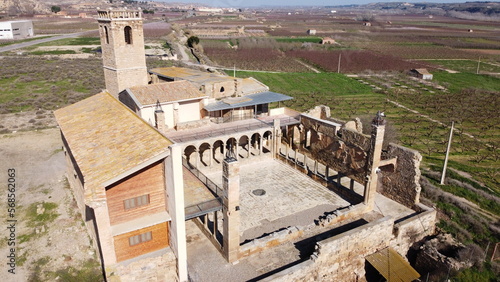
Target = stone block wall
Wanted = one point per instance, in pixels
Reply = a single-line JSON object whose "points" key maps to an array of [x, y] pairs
{"points": [[413, 229], [343, 150], [402, 184], [342, 257], [272, 240]]}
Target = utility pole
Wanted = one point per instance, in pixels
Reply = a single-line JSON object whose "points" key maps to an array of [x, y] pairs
{"points": [[447, 153], [234, 70], [338, 68], [478, 62]]}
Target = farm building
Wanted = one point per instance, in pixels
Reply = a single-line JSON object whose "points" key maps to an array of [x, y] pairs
{"points": [[148, 163], [422, 74], [311, 32], [16, 29]]}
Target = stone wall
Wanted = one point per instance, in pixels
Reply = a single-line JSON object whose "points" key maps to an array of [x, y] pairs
{"points": [[402, 183], [413, 228], [272, 240], [159, 266], [343, 150], [342, 257]]}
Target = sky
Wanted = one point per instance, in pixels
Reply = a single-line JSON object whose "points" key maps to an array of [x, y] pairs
{"points": [[254, 3]]}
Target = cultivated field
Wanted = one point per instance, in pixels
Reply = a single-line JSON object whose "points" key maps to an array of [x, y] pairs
{"points": [[364, 71]]}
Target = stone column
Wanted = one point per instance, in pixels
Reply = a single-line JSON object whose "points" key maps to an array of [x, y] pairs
{"points": [[231, 209], [176, 113], [376, 141], [175, 205], [211, 155], [160, 120], [276, 138], [103, 231]]}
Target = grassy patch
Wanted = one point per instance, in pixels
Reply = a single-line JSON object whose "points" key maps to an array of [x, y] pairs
{"points": [[458, 81], [48, 215], [469, 66], [73, 41], [311, 39], [53, 52], [90, 270], [22, 41], [91, 50]]}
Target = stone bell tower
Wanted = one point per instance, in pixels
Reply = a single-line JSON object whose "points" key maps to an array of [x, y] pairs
{"points": [[122, 45]]}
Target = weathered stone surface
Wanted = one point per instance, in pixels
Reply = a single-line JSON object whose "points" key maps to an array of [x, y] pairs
{"points": [[342, 257], [402, 185]]}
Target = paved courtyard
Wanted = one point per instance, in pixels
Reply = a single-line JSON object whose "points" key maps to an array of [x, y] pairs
{"points": [[290, 198]]}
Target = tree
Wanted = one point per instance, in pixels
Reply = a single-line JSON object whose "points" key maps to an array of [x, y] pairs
{"points": [[192, 41], [55, 9]]}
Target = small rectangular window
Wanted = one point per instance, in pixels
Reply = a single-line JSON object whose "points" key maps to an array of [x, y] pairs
{"points": [[136, 202], [141, 238]]}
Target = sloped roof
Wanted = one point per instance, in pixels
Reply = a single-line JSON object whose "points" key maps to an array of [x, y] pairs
{"points": [[392, 266], [165, 92], [251, 85], [107, 140], [192, 75]]}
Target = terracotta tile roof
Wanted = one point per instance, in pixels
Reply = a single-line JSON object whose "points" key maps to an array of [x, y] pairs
{"points": [[107, 140], [165, 92]]}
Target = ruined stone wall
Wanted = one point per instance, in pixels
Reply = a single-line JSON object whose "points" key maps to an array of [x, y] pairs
{"points": [[413, 229], [402, 183], [342, 257], [343, 150]]}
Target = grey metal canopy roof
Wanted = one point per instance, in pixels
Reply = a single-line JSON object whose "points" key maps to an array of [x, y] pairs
{"points": [[248, 100]]}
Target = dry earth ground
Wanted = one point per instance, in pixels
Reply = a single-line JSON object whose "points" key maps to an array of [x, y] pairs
{"points": [[51, 239]]}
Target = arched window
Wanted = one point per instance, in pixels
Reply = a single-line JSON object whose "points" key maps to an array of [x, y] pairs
{"points": [[106, 34], [128, 35]]}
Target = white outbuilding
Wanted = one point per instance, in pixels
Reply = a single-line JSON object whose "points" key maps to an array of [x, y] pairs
{"points": [[16, 29]]}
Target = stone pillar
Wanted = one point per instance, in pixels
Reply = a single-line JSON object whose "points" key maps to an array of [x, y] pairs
{"points": [[376, 142], [231, 208], [276, 138], [214, 227], [176, 113], [103, 231], [175, 205], [261, 144], [237, 149], [160, 120], [211, 155], [198, 158]]}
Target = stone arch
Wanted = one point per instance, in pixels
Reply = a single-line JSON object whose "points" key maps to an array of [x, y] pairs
{"points": [[190, 155], [244, 146], [128, 34], [255, 141], [218, 151], [267, 141], [106, 34], [205, 154], [232, 145]]}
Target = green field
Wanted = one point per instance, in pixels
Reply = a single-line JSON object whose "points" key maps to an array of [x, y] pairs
{"points": [[469, 66], [10, 42], [311, 39], [73, 41], [348, 99]]}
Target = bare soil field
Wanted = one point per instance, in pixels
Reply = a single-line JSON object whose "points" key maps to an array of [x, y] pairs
{"points": [[51, 241]]}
